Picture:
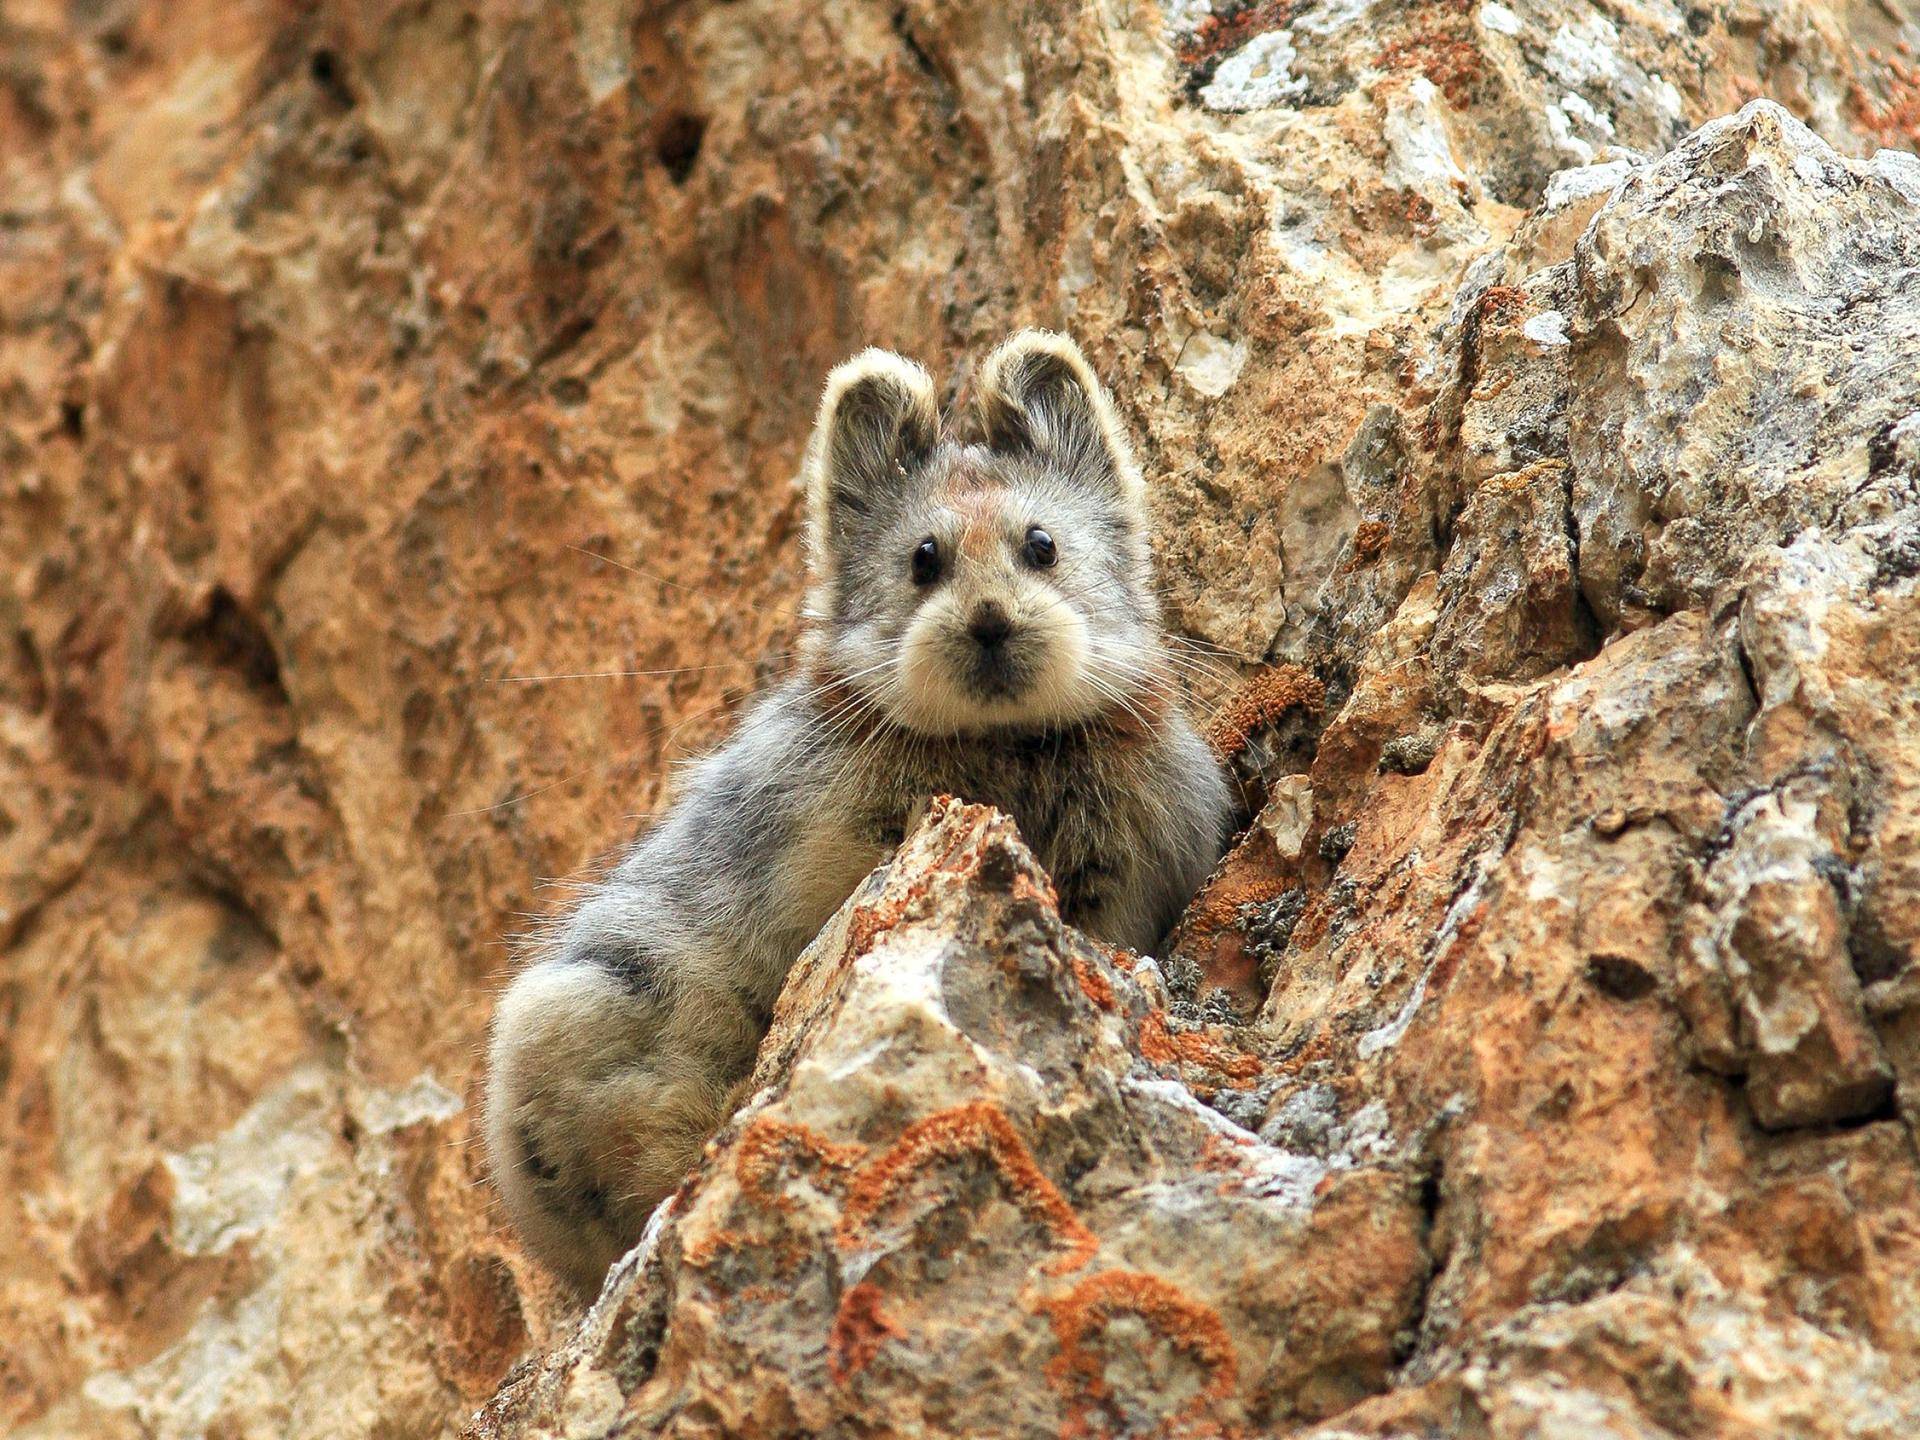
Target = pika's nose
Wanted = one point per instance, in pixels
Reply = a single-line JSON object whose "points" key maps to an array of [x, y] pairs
{"points": [[990, 624]]}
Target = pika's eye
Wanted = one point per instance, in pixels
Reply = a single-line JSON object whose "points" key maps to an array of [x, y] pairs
{"points": [[1039, 549], [926, 561]]}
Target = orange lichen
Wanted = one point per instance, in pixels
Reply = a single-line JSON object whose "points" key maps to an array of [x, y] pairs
{"points": [[759, 1151], [1417, 211], [869, 922], [704, 1251], [1895, 122], [1448, 60], [1093, 984], [1210, 933], [1500, 304], [1261, 701], [1246, 877], [1217, 35], [1184, 1323], [860, 1328], [764, 1142], [976, 1128], [1165, 1046], [1220, 1155], [1036, 891], [1370, 538]]}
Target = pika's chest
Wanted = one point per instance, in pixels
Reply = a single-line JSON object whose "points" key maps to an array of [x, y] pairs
{"points": [[830, 856], [1067, 804], [1058, 793]]}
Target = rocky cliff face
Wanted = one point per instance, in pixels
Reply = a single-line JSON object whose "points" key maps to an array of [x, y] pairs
{"points": [[1542, 470]]}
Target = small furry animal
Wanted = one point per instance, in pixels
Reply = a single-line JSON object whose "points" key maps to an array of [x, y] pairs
{"points": [[983, 623]]}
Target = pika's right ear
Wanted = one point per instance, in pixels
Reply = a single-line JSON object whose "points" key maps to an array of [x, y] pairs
{"points": [[877, 418]]}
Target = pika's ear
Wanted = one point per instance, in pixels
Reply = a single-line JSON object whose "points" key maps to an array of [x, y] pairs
{"points": [[877, 417], [1038, 395]]}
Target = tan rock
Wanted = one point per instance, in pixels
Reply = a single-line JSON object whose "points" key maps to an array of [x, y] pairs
{"points": [[350, 355]]}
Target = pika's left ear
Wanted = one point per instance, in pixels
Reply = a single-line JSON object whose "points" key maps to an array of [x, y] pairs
{"points": [[1038, 395]]}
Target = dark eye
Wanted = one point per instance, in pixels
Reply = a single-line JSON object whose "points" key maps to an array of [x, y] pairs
{"points": [[926, 561], [1039, 549]]}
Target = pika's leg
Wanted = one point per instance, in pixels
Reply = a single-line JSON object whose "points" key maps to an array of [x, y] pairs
{"points": [[597, 1106]]}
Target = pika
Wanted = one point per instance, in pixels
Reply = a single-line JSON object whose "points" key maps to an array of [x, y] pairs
{"points": [[982, 622]]}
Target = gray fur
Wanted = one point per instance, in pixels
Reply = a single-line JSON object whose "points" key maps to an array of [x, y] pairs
{"points": [[616, 1055]]}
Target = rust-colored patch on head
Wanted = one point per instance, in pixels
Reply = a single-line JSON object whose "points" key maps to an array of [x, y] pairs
{"points": [[1164, 1045], [980, 534], [978, 1128], [975, 495], [1261, 701], [1177, 1318], [860, 1328]]}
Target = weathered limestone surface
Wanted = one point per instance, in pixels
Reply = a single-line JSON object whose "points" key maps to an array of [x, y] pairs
{"points": [[979, 1196], [1539, 467]]}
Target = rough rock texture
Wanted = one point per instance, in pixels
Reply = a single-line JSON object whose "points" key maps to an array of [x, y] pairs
{"points": [[979, 1154], [1550, 477]]}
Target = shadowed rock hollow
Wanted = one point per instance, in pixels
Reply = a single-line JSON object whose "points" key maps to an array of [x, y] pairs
{"points": [[1534, 433]]}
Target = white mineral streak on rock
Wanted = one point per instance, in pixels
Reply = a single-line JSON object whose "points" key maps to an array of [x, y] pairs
{"points": [[1256, 76], [1420, 154], [1585, 54], [1385, 1036], [235, 1187], [1499, 19], [603, 46], [422, 1099], [1582, 182], [1209, 363], [283, 1165], [1549, 327], [1183, 16], [180, 1394], [1899, 169], [1666, 98]]}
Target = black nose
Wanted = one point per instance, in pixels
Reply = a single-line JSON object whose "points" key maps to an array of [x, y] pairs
{"points": [[990, 625]]}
